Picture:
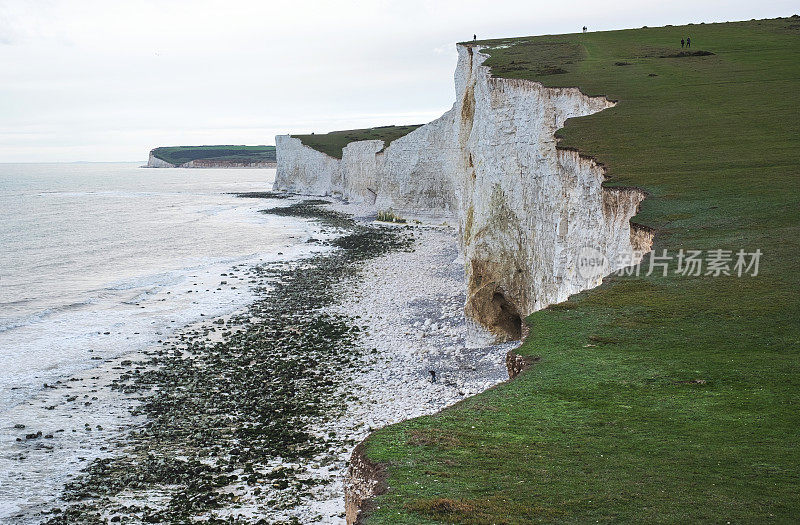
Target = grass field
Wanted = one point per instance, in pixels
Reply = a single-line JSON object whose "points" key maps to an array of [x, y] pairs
{"points": [[332, 143], [180, 154], [657, 399]]}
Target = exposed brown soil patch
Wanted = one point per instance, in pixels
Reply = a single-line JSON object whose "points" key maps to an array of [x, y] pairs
{"points": [[365, 480], [516, 364], [433, 437]]}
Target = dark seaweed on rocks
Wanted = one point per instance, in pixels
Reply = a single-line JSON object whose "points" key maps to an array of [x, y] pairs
{"points": [[262, 195], [310, 209], [222, 416]]}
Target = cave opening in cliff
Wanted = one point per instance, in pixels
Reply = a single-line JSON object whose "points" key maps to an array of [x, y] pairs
{"points": [[507, 318]]}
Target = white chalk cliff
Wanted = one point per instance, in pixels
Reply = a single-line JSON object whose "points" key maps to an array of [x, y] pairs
{"points": [[155, 162], [525, 208]]}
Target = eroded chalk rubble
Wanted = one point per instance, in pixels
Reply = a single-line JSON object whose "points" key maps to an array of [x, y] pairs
{"points": [[411, 304]]}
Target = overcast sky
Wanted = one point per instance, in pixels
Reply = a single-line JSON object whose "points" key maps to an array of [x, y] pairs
{"points": [[108, 80]]}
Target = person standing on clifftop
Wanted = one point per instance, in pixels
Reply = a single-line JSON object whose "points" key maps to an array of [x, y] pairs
{"points": [[474, 37], [682, 43], [688, 42], [584, 29]]}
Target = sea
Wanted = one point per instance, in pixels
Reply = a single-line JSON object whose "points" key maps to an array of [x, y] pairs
{"points": [[99, 261]]}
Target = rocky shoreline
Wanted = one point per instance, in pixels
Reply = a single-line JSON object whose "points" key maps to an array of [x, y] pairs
{"points": [[252, 418], [420, 353]]}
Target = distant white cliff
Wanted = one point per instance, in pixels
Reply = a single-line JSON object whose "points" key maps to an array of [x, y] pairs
{"points": [[155, 162]]}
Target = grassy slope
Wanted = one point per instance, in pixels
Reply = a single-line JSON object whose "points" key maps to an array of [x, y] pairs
{"points": [[622, 430], [181, 154], [333, 142]]}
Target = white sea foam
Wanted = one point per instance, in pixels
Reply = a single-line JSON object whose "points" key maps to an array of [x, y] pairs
{"points": [[105, 263]]}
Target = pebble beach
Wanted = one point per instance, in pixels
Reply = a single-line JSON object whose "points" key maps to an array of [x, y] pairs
{"points": [[251, 417]]}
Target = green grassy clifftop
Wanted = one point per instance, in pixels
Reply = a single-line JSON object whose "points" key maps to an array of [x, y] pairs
{"points": [[332, 143], [661, 398], [178, 155]]}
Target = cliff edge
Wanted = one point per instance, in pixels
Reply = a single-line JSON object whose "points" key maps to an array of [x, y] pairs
{"points": [[528, 212], [666, 394]]}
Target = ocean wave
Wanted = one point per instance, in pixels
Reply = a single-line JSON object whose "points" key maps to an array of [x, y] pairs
{"points": [[10, 324]]}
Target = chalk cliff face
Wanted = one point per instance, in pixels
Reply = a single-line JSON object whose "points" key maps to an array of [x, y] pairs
{"points": [[155, 162], [529, 214]]}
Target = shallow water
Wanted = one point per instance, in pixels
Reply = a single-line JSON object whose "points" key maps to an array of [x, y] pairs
{"points": [[98, 261]]}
